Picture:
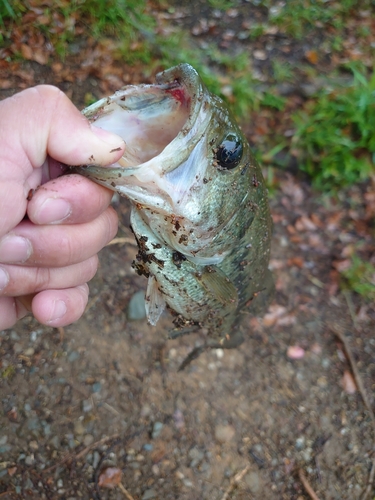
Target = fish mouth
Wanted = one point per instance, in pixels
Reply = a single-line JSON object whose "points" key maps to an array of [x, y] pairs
{"points": [[151, 119]]}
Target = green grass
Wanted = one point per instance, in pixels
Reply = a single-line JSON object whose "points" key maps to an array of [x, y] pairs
{"points": [[360, 277], [335, 136], [297, 17]]}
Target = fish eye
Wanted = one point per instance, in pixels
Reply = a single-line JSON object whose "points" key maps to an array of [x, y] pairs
{"points": [[229, 153]]}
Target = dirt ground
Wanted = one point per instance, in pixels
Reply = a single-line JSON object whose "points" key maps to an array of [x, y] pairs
{"points": [[106, 391], [282, 417]]}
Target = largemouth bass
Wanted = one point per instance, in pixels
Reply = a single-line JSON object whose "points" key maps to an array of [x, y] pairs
{"points": [[200, 212]]}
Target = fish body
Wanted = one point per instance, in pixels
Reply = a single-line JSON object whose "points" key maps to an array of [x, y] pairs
{"points": [[200, 211]]}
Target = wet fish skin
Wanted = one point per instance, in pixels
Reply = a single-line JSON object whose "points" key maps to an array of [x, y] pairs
{"points": [[200, 211]]}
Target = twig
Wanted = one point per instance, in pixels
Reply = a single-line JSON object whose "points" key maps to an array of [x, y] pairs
{"points": [[307, 486], [71, 456], [125, 492], [370, 482], [6, 493], [234, 481], [355, 371], [350, 307], [61, 331]]}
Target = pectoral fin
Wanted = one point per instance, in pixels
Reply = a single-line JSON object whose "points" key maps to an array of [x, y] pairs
{"points": [[219, 286], [155, 303]]}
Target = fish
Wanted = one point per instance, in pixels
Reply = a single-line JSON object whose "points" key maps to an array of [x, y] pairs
{"points": [[200, 211]]}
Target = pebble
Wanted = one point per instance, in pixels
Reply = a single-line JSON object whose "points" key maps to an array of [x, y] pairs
{"points": [[29, 460], [73, 356], [196, 456], [96, 459], [136, 307], [29, 351], [14, 335], [149, 494], [300, 443], [33, 445], [253, 481], [17, 348], [79, 428], [156, 430], [87, 405], [224, 433], [96, 387], [88, 439]]}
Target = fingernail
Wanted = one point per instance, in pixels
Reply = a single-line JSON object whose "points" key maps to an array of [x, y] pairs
{"points": [[14, 249], [113, 140], [4, 278], [58, 311], [53, 210]]}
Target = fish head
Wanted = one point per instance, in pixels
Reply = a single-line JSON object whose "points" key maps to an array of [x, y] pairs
{"points": [[186, 168]]}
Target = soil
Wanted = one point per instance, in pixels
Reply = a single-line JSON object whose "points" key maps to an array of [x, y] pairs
{"points": [[281, 409]]}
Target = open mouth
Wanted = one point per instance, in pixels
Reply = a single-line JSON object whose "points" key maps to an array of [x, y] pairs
{"points": [[148, 117]]}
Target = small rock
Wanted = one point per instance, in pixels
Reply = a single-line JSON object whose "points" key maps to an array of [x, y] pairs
{"points": [[79, 428], [73, 356], [29, 460], [156, 430], [260, 55], [300, 443], [29, 351], [96, 459], [14, 335], [33, 445], [307, 454], [87, 405], [3, 440], [224, 433], [322, 382], [96, 387], [88, 439], [17, 348], [136, 307], [196, 457], [253, 481], [149, 494]]}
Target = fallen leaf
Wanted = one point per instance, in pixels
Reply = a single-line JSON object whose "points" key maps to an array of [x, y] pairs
{"points": [[295, 352], [311, 56], [12, 471], [348, 382], [110, 477], [274, 313], [26, 51]]}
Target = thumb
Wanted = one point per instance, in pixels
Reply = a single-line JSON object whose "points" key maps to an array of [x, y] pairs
{"points": [[52, 125], [35, 123]]}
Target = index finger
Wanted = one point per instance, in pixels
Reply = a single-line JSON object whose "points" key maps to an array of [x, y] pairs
{"points": [[71, 199]]}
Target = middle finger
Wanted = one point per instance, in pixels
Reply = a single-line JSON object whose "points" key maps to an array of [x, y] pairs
{"points": [[57, 246]]}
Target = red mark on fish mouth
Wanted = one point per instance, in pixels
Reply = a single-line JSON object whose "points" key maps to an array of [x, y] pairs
{"points": [[179, 94]]}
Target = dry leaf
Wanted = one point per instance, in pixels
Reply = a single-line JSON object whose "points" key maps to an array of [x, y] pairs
{"points": [[12, 471], [348, 382], [311, 56], [110, 477], [295, 352], [26, 51]]}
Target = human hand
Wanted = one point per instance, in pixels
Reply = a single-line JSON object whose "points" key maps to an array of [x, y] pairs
{"points": [[47, 258]]}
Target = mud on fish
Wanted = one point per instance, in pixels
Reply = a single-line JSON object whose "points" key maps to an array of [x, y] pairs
{"points": [[200, 212]]}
